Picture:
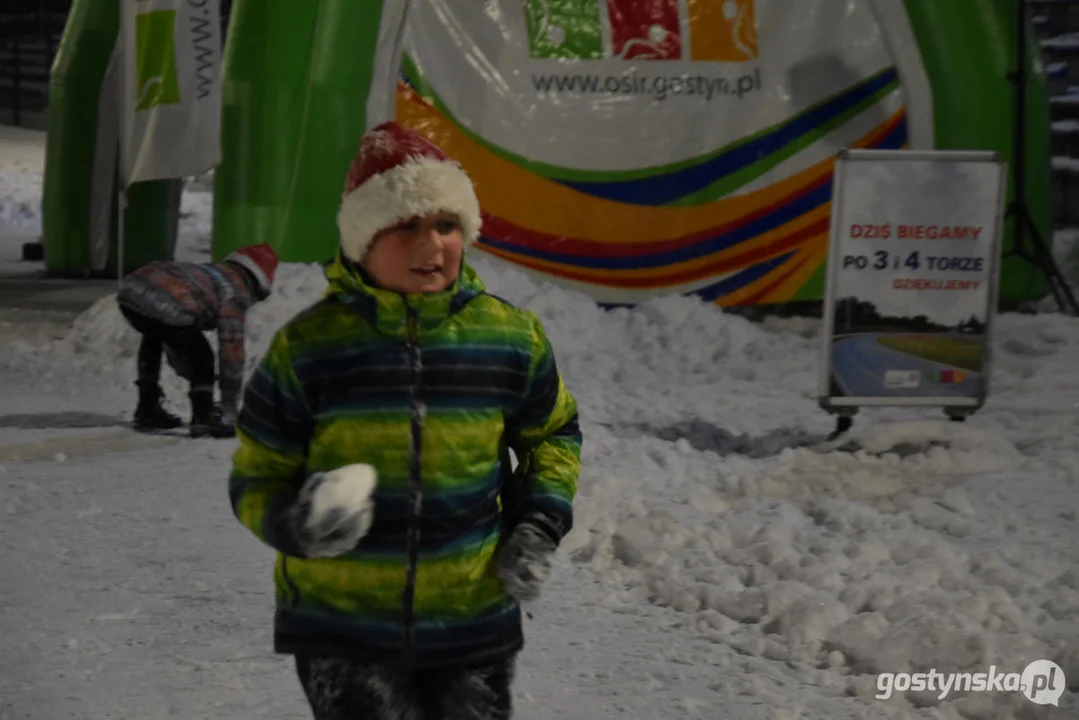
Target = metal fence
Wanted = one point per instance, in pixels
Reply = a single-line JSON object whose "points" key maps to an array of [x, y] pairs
{"points": [[30, 31]]}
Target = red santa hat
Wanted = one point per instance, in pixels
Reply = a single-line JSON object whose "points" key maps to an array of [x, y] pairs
{"points": [[260, 260], [397, 175]]}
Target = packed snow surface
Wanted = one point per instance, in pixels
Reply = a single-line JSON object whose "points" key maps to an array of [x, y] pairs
{"points": [[722, 565]]}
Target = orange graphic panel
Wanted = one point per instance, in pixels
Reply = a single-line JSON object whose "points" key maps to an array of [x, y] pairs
{"points": [[723, 30]]}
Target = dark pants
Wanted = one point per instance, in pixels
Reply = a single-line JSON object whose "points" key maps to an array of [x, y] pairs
{"points": [[187, 342], [339, 689]]}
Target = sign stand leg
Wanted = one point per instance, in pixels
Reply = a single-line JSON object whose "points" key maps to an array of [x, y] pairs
{"points": [[958, 414], [843, 423]]}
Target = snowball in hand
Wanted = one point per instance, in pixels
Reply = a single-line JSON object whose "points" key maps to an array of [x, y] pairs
{"points": [[345, 491]]}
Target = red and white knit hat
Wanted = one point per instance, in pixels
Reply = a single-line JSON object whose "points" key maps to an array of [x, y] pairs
{"points": [[397, 175], [260, 260]]}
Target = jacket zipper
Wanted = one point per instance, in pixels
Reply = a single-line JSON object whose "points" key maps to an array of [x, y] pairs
{"points": [[416, 413]]}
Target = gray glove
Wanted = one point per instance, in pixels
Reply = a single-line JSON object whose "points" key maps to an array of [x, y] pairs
{"points": [[524, 562], [323, 531]]}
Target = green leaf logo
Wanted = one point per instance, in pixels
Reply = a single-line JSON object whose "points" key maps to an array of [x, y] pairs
{"points": [[155, 60], [564, 29]]}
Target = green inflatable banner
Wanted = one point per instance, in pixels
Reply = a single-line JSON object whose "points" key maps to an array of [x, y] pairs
{"points": [[80, 208], [627, 149]]}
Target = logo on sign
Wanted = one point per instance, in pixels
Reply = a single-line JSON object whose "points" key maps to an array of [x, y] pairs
{"points": [[719, 30], [902, 379], [156, 82], [949, 377]]}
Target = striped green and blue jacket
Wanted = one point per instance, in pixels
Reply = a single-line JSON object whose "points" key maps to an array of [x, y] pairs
{"points": [[433, 391]]}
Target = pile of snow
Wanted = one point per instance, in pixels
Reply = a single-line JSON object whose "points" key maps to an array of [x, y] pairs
{"points": [[706, 364], [615, 362], [100, 337], [843, 565], [19, 194], [22, 159], [20, 200]]}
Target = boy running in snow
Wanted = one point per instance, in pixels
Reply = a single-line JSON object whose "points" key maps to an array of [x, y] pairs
{"points": [[406, 606], [171, 304]]}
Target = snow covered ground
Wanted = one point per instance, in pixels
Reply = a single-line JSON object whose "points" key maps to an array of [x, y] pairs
{"points": [[22, 155], [715, 571], [22, 159]]}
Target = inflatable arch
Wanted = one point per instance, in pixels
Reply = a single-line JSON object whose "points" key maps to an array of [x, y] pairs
{"points": [[80, 213], [625, 148]]}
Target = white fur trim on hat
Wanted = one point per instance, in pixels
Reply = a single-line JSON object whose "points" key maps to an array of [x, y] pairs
{"points": [[416, 188], [253, 267]]}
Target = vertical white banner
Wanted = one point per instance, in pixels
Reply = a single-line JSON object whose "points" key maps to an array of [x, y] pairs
{"points": [[171, 105], [103, 176], [382, 98]]}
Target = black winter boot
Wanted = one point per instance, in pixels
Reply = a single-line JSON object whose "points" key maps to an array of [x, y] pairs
{"points": [[205, 419], [150, 414]]}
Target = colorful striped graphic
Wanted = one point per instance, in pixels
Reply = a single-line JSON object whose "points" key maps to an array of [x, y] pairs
{"points": [[626, 236], [719, 30], [722, 30], [564, 29], [649, 30], [949, 377]]}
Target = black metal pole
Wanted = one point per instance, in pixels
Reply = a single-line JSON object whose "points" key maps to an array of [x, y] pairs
{"points": [[1040, 257], [16, 83], [1019, 134]]}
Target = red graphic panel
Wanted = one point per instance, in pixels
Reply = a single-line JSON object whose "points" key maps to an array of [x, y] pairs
{"points": [[645, 29]]}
